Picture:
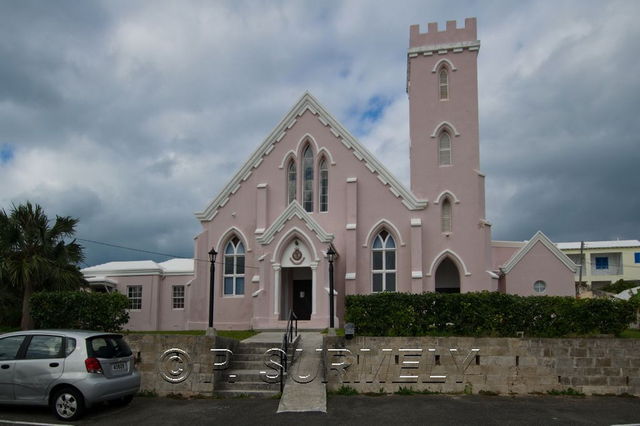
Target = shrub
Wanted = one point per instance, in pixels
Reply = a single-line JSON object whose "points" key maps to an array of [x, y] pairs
{"points": [[485, 314], [80, 310], [620, 286]]}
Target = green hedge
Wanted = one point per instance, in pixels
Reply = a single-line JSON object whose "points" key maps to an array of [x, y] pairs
{"points": [[619, 286], [485, 314], [80, 310]]}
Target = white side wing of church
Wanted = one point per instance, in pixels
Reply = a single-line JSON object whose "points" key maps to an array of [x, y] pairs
{"points": [[310, 186]]}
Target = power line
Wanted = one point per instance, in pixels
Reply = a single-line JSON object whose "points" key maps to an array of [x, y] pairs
{"points": [[175, 256]]}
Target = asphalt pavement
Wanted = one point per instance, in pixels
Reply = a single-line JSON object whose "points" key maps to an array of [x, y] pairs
{"points": [[355, 410]]}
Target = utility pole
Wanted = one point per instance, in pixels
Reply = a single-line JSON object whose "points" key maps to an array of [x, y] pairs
{"points": [[581, 263]]}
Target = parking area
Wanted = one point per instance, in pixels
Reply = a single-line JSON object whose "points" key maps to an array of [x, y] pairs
{"points": [[415, 409]]}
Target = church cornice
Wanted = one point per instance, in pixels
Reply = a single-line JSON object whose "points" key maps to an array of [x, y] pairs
{"points": [[294, 210], [541, 238], [308, 103]]}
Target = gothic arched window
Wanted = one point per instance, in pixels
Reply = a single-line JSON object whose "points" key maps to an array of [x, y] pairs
{"points": [[445, 219], [233, 274], [383, 262], [444, 149], [291, 182], [443, 77], [324, 185], [307, 184]]}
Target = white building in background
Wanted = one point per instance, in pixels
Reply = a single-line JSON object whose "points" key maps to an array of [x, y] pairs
{"points": [[605, 262]]}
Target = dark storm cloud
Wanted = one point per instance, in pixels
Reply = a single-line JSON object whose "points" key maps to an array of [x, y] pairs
{"points": [[131, 115], [571, 148]]}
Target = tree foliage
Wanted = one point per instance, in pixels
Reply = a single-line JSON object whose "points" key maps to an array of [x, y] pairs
{"points": [[620, 286], [35, 256], [80, 310], [485, 314]]}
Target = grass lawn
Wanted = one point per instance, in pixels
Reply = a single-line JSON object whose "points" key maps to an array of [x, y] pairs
{"points": [[339, 331], [233, 334], [630, 334]]}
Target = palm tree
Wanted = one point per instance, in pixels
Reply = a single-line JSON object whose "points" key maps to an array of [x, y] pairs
{"points": [[34, 255]]}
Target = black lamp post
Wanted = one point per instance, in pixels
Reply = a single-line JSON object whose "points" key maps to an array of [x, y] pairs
{"points": [[331, 256], [212, 275]]}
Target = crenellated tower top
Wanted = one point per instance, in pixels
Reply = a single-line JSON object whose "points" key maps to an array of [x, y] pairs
{"points": [[452, 34]]}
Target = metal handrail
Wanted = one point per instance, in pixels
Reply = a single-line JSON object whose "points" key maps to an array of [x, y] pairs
{"points": [[287, 338]]}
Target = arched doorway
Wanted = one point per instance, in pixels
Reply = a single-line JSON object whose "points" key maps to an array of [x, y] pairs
{"points": [[297, 280], [447, 277]]}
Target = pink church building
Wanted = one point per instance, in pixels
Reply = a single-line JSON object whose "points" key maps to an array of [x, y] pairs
{"points": [[311, 185]]}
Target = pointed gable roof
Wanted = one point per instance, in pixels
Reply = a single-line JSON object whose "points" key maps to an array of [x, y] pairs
{"points": [[294, 210], [308, 102], [539, 237]]}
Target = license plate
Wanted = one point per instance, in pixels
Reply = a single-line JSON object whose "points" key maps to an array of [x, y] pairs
{"points": [[119, 366]]}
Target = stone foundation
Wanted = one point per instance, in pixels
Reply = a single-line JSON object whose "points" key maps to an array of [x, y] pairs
{"points": [[149, 349], [473, 365]]}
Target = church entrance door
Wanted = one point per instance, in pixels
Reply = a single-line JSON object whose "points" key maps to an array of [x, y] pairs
{"points": [[302, 299]]}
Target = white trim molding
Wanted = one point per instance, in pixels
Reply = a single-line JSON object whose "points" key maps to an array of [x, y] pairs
{"points": [[416, 274], [289, 154], [444, 124], [380, 224], [444, 194], [350, 276], [304, 138], [351, 226], [286, 237], [416, 221], [444, 47], [294, 210], [437, 65], [227, 233], [324, 151], [539, 237], [493, 275], [308, 103], [454, 256]]}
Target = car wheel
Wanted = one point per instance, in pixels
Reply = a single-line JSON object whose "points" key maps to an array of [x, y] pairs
{"points": [[67, 404]]}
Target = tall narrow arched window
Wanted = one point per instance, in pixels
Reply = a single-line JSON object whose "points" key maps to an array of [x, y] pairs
{"points": [[383, 262], [445, 220], [291, 182], [307, 184], [234, 268], [444, 84], [324, 185], [444, 149]]}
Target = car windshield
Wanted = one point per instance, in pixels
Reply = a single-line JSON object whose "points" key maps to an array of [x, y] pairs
{"points": [[111, 346]]}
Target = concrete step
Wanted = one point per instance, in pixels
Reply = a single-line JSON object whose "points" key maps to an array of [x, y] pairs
{"points": [[271, 344], [254, 350], [249, 365], [250, 375]]}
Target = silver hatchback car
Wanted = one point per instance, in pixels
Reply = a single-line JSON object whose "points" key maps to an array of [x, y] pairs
{"points": [[68, 370]]}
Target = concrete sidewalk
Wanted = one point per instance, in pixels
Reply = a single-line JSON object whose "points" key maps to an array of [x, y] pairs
{"points": [[274, 337], [305, 390]]}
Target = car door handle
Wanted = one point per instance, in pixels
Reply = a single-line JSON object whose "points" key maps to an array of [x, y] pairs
{"points": [[54, 364], [5, 366]]}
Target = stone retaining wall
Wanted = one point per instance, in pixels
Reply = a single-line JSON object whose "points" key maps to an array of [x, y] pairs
{"points": [[472, 365], [196, 362]]}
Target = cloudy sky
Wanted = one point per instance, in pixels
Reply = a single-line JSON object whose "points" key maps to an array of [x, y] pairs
{"points": [[132, 115]]}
